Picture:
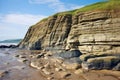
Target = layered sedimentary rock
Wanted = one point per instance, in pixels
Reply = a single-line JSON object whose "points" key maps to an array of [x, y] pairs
{"points": [[99, 28], [53, 31], [95, 33]]}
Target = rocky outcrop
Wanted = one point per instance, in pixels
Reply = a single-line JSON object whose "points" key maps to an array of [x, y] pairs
{"points": [[8, 46], [53, 31], [95, 32], [103, 62], [117, 67], [69, 54], [90, 31]]}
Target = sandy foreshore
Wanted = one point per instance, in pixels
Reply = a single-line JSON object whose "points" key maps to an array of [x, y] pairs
{"points": [[15, 65], [11, 68]]}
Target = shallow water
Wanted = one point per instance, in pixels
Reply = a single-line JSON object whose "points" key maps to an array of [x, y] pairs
{"points": [[2, 55], [16, 70]]}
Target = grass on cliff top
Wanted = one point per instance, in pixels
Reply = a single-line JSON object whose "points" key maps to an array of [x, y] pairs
{"points": [[104, 5]]}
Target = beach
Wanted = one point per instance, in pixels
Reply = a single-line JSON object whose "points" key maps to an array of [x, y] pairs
{"points": [[12, 69], [15, 65]]}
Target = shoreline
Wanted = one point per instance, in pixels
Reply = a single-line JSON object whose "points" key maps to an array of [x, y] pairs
{"points": [[48, 70]]}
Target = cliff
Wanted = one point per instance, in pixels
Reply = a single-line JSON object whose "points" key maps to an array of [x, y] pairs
{"points": [[93, 30], [97, 24], [50, 32]]}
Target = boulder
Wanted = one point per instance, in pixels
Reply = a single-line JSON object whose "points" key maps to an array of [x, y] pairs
{"points": [[107, 62], [73, 60], [8, 46], [72, 66], [117, 67], [78, 71], [46, 71], [39, 55], [85, 57], [50, 78], [69, 54], [3, 73], [35, 64], [4, 46]]}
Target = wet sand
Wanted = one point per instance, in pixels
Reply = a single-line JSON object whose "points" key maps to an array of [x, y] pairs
{"points": [[13, 67]]}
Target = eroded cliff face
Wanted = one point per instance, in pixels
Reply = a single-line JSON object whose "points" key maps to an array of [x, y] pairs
{"points": [[51, 32], [89, 31], [95, 34], [95, 31]]}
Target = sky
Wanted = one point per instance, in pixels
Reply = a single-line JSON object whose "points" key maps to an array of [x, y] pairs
{"points": [[16, 16]]}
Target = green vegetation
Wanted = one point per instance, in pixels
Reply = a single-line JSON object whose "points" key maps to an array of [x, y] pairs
{"points": [[67, 12], [44, 19], [104, 5]]}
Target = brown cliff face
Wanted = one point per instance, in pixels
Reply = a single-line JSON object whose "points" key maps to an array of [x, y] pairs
{"points": [[53, 31], [93, 30], [97, 30]]}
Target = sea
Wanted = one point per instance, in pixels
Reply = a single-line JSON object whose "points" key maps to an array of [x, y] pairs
{"points": [[10, 42]]}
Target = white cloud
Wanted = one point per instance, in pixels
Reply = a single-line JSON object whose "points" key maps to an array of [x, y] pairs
{"points": [[72, 6], [14, 26], [21, 19], [12, 31], [43, 1], [57, 5]]}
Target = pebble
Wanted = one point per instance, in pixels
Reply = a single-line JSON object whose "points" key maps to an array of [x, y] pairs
{"points": [[7, 63], [32, 56], [64, 74], [17, 55], [39, 56], [50, 78], [46, 72], [42, 67], [45, 57], [22, 56], [3, 73], [47, 65], [58, 69], [79, 71], [22, 60]]}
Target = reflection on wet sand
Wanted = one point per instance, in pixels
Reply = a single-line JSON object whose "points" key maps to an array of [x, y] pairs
{"points": [[12, 69], [18, 65]]}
